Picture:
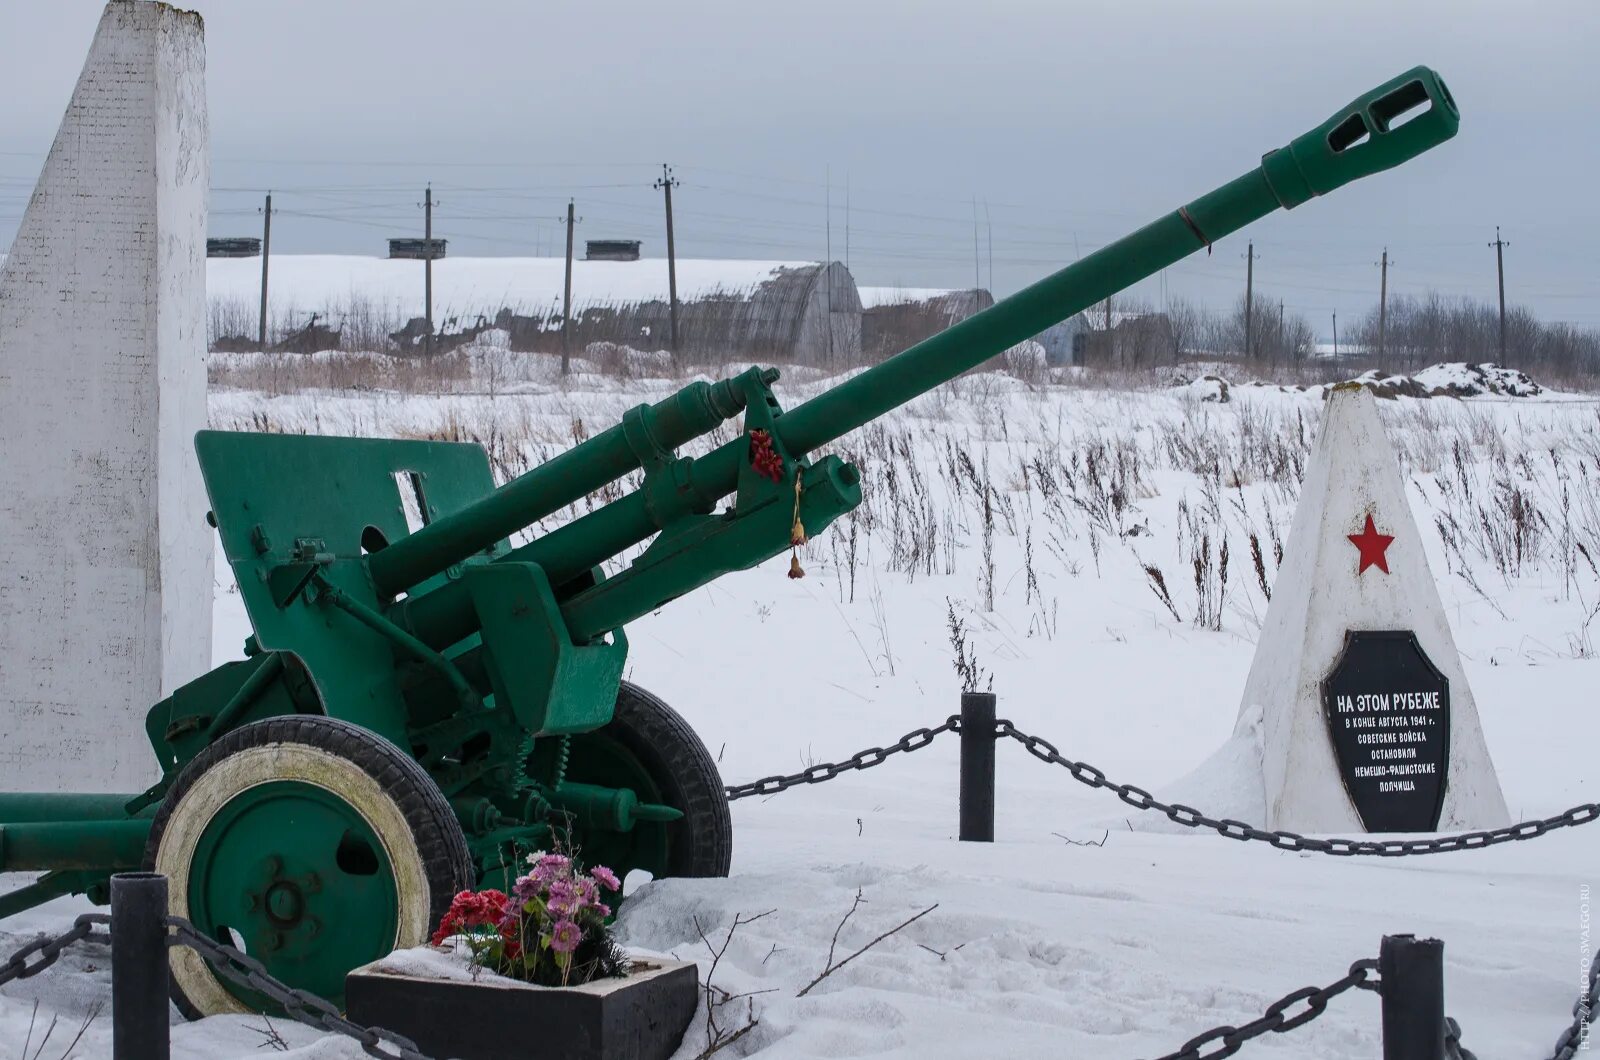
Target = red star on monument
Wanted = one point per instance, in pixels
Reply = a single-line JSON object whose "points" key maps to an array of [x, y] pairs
{"points": [[1372, 546]]}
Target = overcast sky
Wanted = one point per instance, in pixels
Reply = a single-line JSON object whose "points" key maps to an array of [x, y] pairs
{"points": [[1069, 123]]}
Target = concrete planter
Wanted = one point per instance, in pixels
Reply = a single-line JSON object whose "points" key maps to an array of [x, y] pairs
{"points": [[642, 1016]]}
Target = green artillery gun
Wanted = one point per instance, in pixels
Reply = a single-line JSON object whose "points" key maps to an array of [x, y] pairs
{"points": [[422, 703]]}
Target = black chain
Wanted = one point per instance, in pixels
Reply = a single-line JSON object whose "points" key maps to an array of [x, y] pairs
{"points": [[1190, 817], [49, 949], [1453, 1049], [1574, 1037], [915, 740], [244, 970], [1225, 1041]]}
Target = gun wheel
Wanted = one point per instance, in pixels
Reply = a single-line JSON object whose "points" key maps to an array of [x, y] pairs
{"points": [[650, 748], [313, 845]]}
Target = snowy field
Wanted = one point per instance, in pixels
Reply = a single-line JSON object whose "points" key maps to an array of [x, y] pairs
{"points": [[1031, 518]]}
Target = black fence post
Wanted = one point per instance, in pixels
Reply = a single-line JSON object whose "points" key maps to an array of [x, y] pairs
{"points": [[139, 997], [977, 767], [1411, 977]]}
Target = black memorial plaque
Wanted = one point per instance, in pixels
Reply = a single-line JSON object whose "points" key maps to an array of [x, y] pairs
{"points": [[1388, 712]]}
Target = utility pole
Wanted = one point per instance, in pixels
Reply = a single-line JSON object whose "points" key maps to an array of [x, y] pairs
{"points": [[827, 256], [827, 213], [1336, 337], [977, 280], [1249, 297], [1283, 340], [266, 252], [1107, 346], [989, 227], [847, 220], [1499, 246], [427, 266], [666, 184], [1383, 305], [566, 298]]}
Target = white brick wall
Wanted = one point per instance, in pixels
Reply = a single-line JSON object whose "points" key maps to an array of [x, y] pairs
{"points": [[105, 561]]}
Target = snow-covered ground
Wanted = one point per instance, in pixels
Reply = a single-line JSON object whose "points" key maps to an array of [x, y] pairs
{"points": [[1041, 945]]}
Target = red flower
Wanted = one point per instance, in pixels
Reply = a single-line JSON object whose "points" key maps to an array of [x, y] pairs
{"points": [[469, 910], [763, 456]]}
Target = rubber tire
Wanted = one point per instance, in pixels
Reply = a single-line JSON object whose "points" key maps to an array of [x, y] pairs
{"points": [[447, 865], [701, 843]]}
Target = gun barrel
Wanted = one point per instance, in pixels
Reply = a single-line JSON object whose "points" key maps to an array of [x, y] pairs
{"points": [[574, 474], [1383, 128], [1362, 138]]}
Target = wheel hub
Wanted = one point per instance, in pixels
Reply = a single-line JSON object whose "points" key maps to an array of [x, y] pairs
{"points": [[285, 904], [323, 895]]}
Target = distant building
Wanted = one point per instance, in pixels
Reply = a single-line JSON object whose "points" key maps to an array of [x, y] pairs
{"points": [[796, 312], [611, 250], [1132, 340], [789, 312], [417, 249], [234, 247], [895, 318]]}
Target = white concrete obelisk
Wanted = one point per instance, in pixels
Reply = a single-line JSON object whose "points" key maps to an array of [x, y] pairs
{"points": [[105, 558], [1354, 561]]}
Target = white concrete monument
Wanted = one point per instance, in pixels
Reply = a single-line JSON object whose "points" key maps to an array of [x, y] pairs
{"points": [[1367, 722], [105, 558]]}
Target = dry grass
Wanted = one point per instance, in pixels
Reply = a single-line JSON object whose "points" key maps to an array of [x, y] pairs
{"points": [[1022, 488]]}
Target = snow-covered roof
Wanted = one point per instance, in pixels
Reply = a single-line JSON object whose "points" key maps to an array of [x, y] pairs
{"points": [[872, 297], [470, 284]]}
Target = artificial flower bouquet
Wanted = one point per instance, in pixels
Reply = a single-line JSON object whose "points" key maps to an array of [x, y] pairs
{"points": [[551, 930]]}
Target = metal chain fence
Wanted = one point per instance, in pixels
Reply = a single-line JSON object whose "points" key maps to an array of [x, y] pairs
{"points": [[1576, 1036], [1225, 1041], [50, 949], [1189, 817], [243, 970], [915, 740], [231, 964], [1453, 1049]]}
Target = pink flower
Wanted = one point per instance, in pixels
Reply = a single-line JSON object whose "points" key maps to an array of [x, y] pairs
{"points": [[563, 900], [602, 909], [565, 936], [588, 892], [551, 867], [607, 878], [525, 889]]}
